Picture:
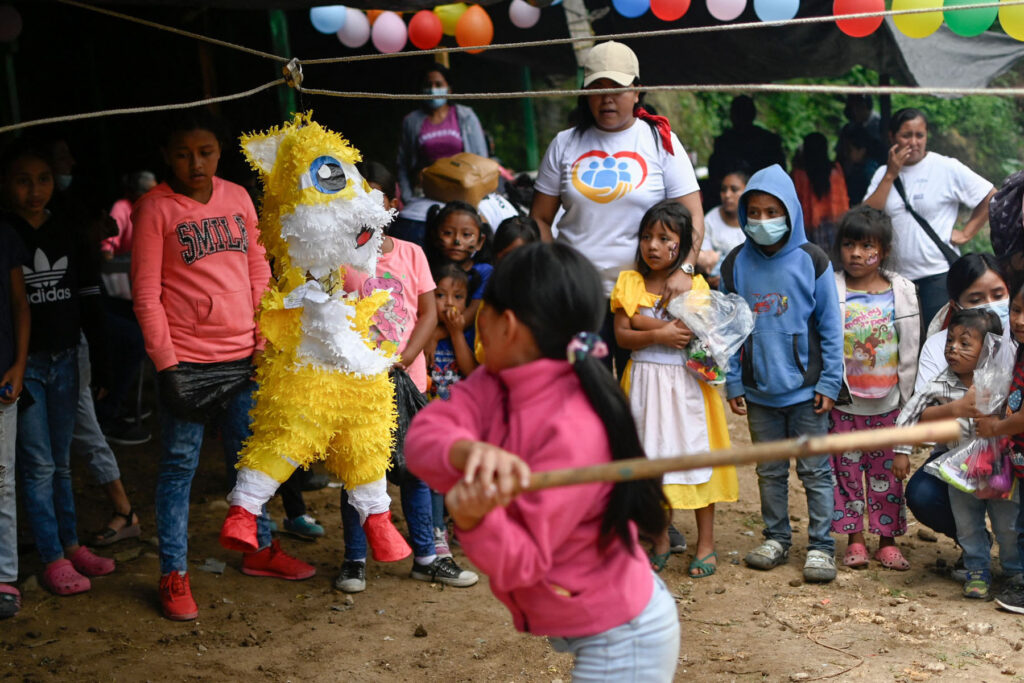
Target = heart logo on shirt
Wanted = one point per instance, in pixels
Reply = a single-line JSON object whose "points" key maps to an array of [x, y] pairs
{"points": [[603, 177]]}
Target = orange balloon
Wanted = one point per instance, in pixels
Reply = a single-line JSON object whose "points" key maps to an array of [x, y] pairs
{"points": [[372, 15], [474, 28]]}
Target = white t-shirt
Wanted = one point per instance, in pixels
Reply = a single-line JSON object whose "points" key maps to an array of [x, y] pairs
{"points": [[936, 186], [719, 235], [606, 182]]}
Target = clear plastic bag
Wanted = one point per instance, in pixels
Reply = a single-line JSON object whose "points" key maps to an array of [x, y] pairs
{"points": [[980, 467], [721, 321], [994, 372]]}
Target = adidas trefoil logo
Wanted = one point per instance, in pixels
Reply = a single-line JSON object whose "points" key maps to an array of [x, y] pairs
{"points": [[43, 277]]}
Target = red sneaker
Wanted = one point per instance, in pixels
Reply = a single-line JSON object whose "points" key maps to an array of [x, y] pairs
{"points": [[272, 561], [239, 530], [176, 597], [386, 544]]}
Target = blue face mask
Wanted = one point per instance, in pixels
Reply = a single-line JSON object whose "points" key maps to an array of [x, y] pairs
{"points": [[767, 232], [437, 102], [1000, 308]]}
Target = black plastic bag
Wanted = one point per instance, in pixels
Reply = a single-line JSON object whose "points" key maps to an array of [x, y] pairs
{"points": [[199, 392], [408, 401]]}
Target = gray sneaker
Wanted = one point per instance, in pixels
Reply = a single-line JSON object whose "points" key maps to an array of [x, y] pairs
{"points": [[676, 540], [444, 570], [352, 578], [768, 555], [820, 567]]}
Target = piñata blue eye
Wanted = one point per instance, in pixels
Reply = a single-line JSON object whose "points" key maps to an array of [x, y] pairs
{"points": [[326, 175]]}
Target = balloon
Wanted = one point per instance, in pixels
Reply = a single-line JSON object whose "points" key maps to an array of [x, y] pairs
{"points": [[372, 14], [631, 9], [425, 30], [329, 18], [542, 3], [388, 33], [776, 10], [726, 10], [917, 25], [10, 24], [449, 16], [1012, 21], [969, 22], [356, 30], [858, 28], [474, 28], [522, 14], [669, 10]]}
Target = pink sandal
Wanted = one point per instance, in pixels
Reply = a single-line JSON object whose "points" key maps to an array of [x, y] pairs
{"points": [[856, 556], [891, 558], [90, 564], [62, 579]]}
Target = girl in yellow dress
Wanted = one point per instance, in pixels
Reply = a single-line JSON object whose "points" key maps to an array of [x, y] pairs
{"points": [[675, 412]]}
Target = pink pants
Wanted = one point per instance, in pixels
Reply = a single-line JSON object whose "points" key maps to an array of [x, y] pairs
{"points": [[864, 482]]}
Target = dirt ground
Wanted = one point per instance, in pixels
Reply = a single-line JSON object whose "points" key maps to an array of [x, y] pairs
{"points": [[740, 624]]}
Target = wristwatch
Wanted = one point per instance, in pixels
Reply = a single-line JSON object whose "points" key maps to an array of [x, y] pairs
{"points": [[687, 268]]}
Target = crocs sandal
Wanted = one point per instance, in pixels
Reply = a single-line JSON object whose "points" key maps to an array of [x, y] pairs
{"points": [[891, 558], [659, 560], [110, 535], [62, 579], [87, 563], [703, 567], [10, 601], [856, 555]]}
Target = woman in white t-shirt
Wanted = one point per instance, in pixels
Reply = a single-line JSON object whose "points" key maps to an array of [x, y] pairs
{"points": [[936, 186], [608, 170], [722, 231]]}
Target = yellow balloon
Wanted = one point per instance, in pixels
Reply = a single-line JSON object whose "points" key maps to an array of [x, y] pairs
{"points": [[449, 16], [1012, 20], [917, 25]]}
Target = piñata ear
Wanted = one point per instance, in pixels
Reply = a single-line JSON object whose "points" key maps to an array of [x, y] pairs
{"points": [[260, 149]]}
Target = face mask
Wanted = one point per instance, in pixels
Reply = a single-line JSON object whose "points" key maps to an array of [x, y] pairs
{"points": [[1000, 308], [768, 232], [62, 181], [437, 102]]}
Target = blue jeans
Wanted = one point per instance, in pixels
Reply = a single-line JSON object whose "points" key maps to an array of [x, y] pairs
{"points": [[644, 649], [44, 450], [973, 536], [416, 506], [928, 499], [181, 441], [8, 503], [88, 440], [815, 472]]}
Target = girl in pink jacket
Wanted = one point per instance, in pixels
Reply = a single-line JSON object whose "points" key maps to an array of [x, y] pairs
{"points": [[565, 561]]}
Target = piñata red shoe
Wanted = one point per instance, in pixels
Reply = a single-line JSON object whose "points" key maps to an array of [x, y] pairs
{"points": [[276, 563], [386, 544], [239, 530]]}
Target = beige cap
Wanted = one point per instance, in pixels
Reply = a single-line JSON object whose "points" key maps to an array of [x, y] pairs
{"points": [[611, 60]]}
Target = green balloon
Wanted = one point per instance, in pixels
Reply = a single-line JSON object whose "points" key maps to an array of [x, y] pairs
{"points": [[969, 22]]}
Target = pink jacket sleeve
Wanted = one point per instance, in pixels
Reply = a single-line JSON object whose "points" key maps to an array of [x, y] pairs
{"points": [[259, 269], [147, 273]]}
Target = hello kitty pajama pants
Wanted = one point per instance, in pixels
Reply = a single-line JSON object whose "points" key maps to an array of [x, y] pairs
{"points": [[864, 481]]}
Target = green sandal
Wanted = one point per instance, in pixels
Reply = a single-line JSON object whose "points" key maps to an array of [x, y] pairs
{"points": [[704, 567], [659, 560]]}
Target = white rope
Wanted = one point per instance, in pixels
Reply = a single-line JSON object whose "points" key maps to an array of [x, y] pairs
{"points": [[714, 28], [171, 29], [737, 88], [141, 110]]}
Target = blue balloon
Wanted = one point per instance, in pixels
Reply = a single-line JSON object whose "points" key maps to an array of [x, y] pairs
{"points": [[631, 9], [329, 18], [776, 10]]}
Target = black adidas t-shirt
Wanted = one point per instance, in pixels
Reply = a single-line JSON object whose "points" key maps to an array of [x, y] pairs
{"points": [[12, 255]]}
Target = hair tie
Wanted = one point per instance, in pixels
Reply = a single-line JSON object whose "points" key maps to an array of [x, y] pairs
{"points": [[585, 344], [661, 124]]}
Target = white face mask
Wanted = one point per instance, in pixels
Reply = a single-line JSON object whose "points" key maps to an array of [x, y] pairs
{"points": [[1000, 308], [63, 181], [766, 232]]}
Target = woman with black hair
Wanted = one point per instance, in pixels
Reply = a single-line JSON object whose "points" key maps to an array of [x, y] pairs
{"points": [[565, 561], [821, 188], [607, 171], [918, 188], [435, 131]]}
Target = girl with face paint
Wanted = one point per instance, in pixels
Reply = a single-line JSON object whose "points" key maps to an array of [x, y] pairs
{"points": [[881, 332]]}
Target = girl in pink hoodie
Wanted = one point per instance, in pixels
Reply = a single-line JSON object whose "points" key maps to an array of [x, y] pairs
{"points": [[565, 561]]}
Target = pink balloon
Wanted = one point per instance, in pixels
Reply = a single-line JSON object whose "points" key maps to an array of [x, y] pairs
{"points": [[356, 30], [726, 10], [10, 23], [389, 33]]}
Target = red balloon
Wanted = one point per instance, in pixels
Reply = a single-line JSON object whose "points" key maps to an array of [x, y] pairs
{"points": [[669, 10], [858, 28], [425, 30]]}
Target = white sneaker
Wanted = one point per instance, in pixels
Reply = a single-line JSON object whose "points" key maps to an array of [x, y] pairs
{"points": [[768, 555], [820, 567]]}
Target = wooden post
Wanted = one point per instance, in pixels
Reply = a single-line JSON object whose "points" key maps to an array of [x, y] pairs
{"points": [[643, 468]]}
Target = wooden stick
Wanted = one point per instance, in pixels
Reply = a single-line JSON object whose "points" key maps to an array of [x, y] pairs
{"points": [[643, 468]]}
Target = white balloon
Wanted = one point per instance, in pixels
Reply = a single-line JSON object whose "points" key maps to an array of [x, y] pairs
{"points": [[523, 14], [389, 33], [356, 30], [726, 10]]}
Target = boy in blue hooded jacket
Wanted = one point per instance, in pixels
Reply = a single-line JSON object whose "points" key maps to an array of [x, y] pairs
{"points": [[786, 376]]}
